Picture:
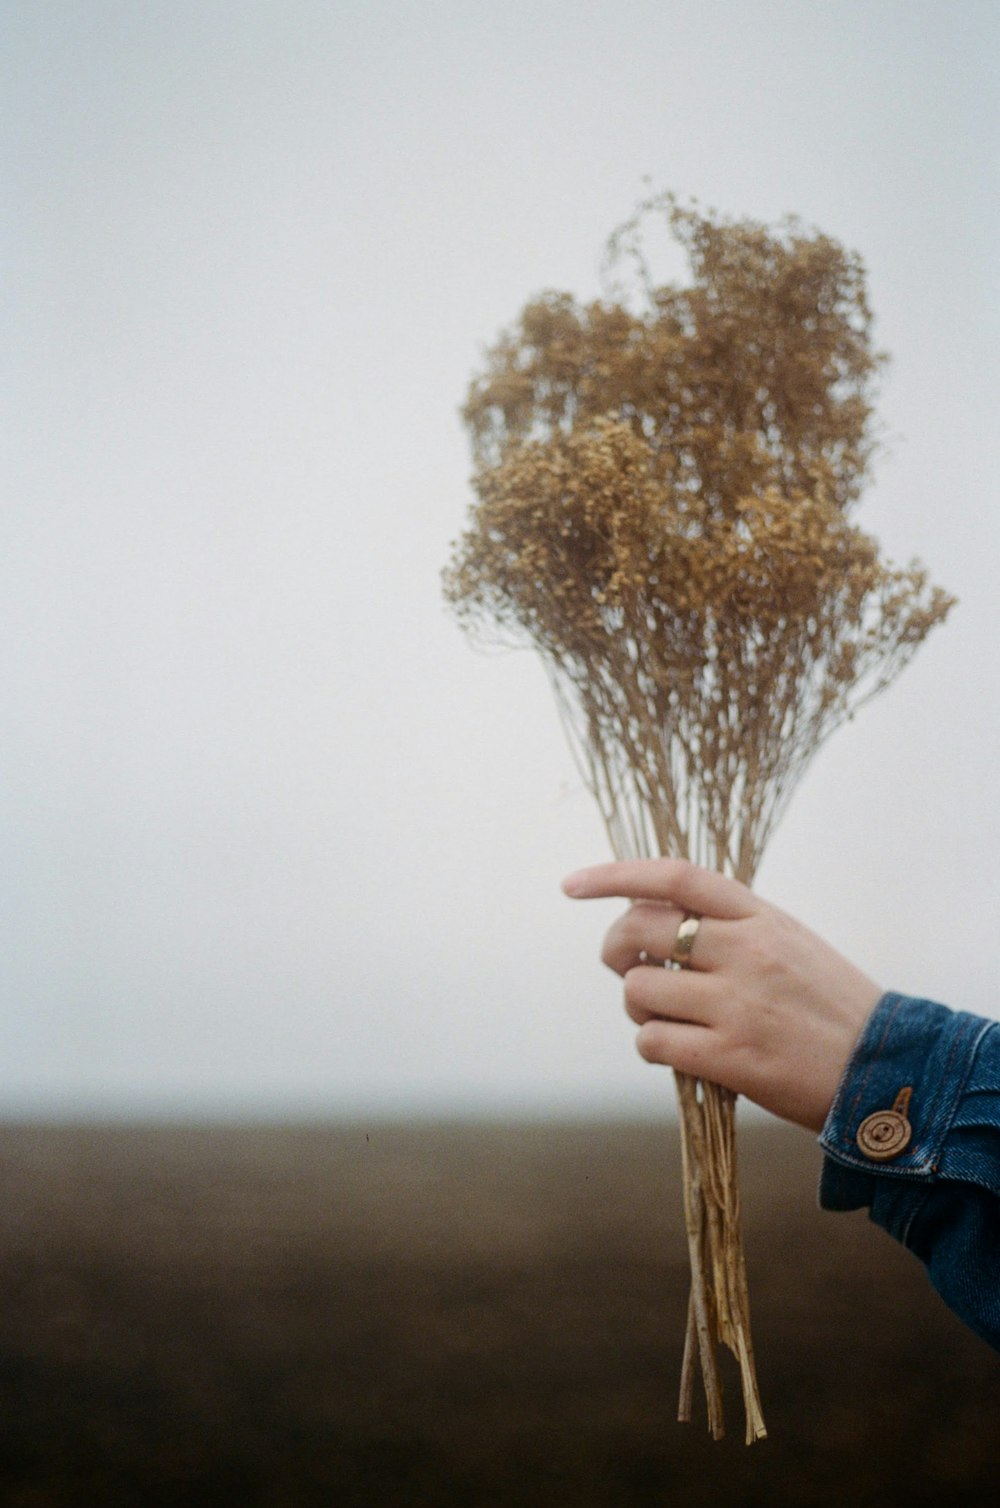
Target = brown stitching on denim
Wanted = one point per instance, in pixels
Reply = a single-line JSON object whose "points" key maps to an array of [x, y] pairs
{"points": [[939, 1090], [852, 1108], [962, 1025]]}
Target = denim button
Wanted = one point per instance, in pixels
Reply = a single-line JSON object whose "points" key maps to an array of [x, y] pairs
{"points": [[884, 1135]]}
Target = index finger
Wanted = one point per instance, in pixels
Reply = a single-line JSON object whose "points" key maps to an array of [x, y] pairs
{"points": [[678, 881]]}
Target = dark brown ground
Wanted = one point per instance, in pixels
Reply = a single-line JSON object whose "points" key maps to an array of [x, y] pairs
{"points": [[440, 1315]]}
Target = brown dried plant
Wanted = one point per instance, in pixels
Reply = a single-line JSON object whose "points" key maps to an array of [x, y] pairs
{"points": [[662, 501]]}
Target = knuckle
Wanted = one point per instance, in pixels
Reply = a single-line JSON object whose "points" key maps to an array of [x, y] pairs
{"points": [[637, 989], [631, 925], [764, 959], [637, 1013], [621, 940], [760, 944], [648, 1044]]}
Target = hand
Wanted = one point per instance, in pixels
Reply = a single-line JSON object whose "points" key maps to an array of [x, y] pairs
{"points": [[764, 1006]]}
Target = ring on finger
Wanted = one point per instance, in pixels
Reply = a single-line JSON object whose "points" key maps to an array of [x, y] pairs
{"points": [[684, 942]]}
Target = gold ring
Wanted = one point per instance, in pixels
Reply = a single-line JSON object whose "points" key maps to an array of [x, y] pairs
{"points": [[686, 934]]}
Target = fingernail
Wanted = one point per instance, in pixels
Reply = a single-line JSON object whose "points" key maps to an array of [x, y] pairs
{"points": [[573, 883]]}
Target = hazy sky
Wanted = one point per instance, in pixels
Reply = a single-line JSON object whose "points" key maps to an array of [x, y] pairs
{"points": [[273, 835]]}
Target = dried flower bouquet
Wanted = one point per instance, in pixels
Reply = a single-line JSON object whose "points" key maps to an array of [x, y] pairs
{"points": [[663, 485]]}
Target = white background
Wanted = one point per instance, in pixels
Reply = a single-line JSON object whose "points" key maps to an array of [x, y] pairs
{"points": [[273, 838]]}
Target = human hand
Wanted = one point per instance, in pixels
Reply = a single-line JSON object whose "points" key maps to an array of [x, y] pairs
{"points": [[764, 1006]]}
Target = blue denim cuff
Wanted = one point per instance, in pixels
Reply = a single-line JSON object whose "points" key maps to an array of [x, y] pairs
{"points": [[912, 1060]]}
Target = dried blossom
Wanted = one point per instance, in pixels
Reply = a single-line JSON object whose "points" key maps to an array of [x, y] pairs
{"points": [[663, 498]]}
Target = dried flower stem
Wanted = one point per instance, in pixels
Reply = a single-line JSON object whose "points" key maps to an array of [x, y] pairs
{"points": [[720, 1306]]}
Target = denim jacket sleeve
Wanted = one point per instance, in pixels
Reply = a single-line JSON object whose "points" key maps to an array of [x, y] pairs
{"points": [[913, 1135]]}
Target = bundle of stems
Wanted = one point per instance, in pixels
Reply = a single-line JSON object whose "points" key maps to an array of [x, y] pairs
{"points": [[718, 1305], [663, 482]]}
